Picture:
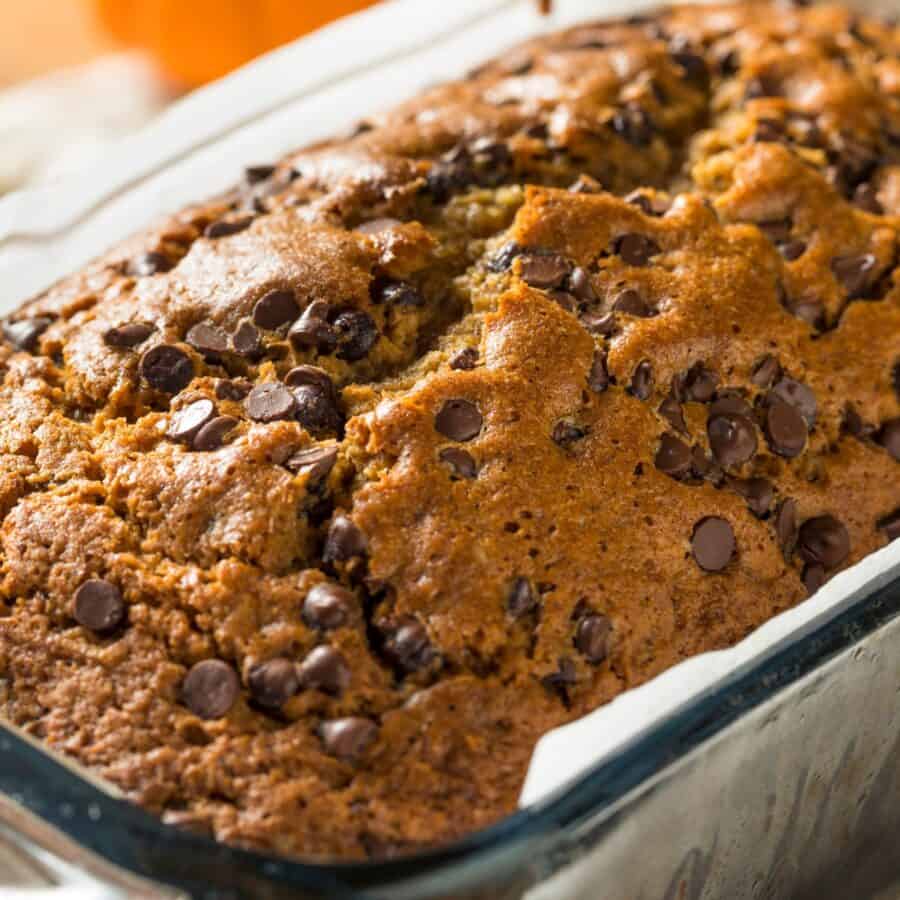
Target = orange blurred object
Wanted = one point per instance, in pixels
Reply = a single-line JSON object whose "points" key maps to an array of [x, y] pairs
{"points": [[201, 40]]}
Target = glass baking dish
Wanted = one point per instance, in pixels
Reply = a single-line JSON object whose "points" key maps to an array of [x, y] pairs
{"points": [[674, 785]]}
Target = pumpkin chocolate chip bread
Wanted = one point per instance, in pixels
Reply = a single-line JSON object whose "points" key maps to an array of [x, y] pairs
{"points": [[322, 501]]}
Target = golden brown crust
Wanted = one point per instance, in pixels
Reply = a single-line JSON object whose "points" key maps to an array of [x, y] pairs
{"points": [[324, 500]]}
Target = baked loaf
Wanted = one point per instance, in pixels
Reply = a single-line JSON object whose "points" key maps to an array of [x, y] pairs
{"points": [[322, 501]]}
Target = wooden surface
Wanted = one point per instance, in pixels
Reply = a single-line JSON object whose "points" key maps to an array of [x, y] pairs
{"points": [[39, 35]]}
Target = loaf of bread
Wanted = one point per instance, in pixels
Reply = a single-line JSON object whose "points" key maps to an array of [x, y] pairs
{"points": [[322, 501]]}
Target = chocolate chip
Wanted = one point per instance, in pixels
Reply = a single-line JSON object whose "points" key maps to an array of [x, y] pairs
{"points": [[705, 467], [128, 336], [270, 402], [273, 682], [545, 270], [786, 525], [166, 368], [306, 375], [732, 439], [633, 125], [631, 303], [813, 577], [316, 409], [564, 677], [852, 423], [777, 230], [235, 389], [521, 599], [256, 174], [356, 334], [673, 457], [328, 606], [24, 334], [344, 541], [823, 540], [459, 420], [324, 669], [792, 250], [580, 285], [397, 293], [98, 606], [151, 263], [758, 492], [642, 381], [314, 462], [348, 739], [246, 340], [768, 131], [866, 198], [212, 435], [592, 637], [799, 396], [670, 409], [698, 384], [635, 249], [730, 403], [407, 645], [275, 309], [312, 330], [785, 429], [185, 423], [853, 272], [502, 260], [566, 433], [649, 204], [599, 323], [713, 544], [465, 359], [225, 227], [207, 339], [210, 689], [889, 437], [460, 461], [890, 525], [766, 371]]}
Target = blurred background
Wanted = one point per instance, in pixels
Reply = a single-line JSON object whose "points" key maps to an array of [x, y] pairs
{"points": [[76, 75]]}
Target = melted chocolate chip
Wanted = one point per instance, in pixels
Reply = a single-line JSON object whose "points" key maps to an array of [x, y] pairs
{"points": [[128, 336], [398, 293], [459, 420], [314, 462], [824, 541], [226, 227], [670, 409], [889, 437], [635, 249], [813, 577], [766, 371], [732, 439], [460, 461], [890, 525], [580, 285], [758, 492], [649, 204], [98, 606], [730, 403], [275, 309], [673, 457], [167, 368], [521, 599], [544, 270], [316, 409], [865, 197], [328, 606], [185, 423], [212, 435], [246, 340], [592, 637], [210, 689], [698, 384], [631, 303], [270, 402], [599, 323], [502, 260], [24, 334], [312, 331], [799, 396], [642, 381], [324, 669], [151, 263], [713, 544], [407, 646], [633, 125], [792, 250], [345, 541], [785, 429], [566, 433], [273, 682], [256, 174], [465, 359], [356, 334], [207, 339], [235, 389], [786, 525], [854, 272], [348, 739]]}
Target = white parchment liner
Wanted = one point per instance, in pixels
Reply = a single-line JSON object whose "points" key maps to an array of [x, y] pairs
{"points": [[313, 89]]}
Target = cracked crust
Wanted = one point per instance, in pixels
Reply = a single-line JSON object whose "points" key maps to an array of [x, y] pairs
{"points": [[572, 370]]}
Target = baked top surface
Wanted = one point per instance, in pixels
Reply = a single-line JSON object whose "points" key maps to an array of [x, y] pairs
{"points": [[323, 500]]}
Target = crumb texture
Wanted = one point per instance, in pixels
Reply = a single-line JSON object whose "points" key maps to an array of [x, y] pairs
{"points": [[320, 502]]}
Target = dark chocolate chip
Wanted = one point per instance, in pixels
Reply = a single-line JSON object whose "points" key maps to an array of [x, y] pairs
{"points": [[633, 125], [799, 396], [768, 131], [502, 260], [225, 227], [642, 381], [345, 541], [324, 669], [732, 439], [235, 389], [730, 403], [564, 677], [207, 339], [890, 525], [566, 300], [167, 368], [673, 457], [273, 682], [792, 250], [592, 637], [275, 309], [348, 739], [398, 293], [786, 525], [599, 323], [98, 606], [128, 336], [670, 409], [24, 334], [580, 285], [210, 689], [544, 270], [598, 377], [185, 423], [766, 371], [785, 428], [328, 606], [698, 384], [312, 330], [566, 433], [460, 461], [270, 402], [777, 230], [521, 599], [854, 272], [758, 492], [314, 462], [635, 249], [823, 540], [889, 437], [356, 334], [305, 375], [648, 204], [813, 577], [631, 303], [407, 645], [866, 198], [459, 420], [246, 340], [212, 435], [316, 409], [705, 467], [465, 359], [151, 263], [853, 424], [713, 544], [256, 174]]}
